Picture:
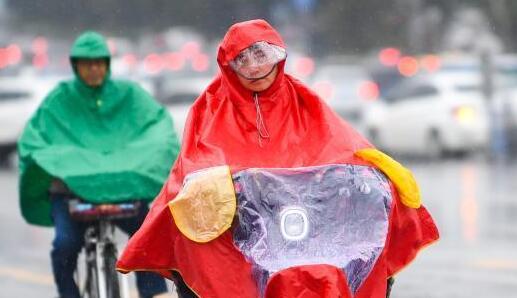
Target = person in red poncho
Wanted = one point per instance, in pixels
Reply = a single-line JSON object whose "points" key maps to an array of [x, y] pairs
{"points": [[257, 122]]}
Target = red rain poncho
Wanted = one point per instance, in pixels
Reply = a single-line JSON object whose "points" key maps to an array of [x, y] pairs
{"points": [[222, 129]]}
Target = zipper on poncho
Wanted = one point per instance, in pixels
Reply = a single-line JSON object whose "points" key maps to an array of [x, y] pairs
{"points": [[261, 126]]}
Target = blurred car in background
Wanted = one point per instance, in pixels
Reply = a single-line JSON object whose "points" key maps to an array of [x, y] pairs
{"points": [[19, 98], [431, 114], [347, 88], [15, 107], [177, 94]]}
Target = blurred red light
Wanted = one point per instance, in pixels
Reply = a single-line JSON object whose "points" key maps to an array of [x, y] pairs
{"points": [[191, 49], [174, 61], [304, 66], [431, 63], [408, 66], [153, 63], [14, 54], [40, 45], [40, 61], [130, 60], [324, 89], [4, 58], [389, 56], [368, 90], [200, 63]]}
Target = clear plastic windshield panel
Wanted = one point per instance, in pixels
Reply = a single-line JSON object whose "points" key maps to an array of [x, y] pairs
{"points": [[336, 215]]}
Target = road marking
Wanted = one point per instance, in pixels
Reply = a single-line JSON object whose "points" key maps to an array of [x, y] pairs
{"points": [[27, 276]]}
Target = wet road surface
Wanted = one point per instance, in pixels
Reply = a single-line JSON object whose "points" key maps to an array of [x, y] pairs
{"points": [[474, 203]]}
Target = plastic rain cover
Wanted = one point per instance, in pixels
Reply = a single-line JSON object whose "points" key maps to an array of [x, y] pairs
{"points": [[336, 214]]}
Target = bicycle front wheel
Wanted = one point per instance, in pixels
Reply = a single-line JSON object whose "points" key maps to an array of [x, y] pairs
{"points": [[111, 275], [91, 289]]}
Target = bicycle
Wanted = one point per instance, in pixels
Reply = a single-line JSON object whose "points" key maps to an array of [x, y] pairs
{"points": [[101, 279]]}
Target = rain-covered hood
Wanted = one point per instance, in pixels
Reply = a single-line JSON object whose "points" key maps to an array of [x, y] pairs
{"points": [[239, 37], [90, 45]]}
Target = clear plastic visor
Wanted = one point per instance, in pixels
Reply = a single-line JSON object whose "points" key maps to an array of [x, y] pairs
{"points": [[258, 60]]}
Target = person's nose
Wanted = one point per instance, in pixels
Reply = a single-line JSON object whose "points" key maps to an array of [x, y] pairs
{"points": [[254, 71], [94, 66]]}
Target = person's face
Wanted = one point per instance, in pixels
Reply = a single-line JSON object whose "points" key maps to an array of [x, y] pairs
{"points": [[260, 84], [92, 71]]}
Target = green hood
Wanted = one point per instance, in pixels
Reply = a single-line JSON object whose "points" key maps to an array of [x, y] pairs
{"points": [[90, 45]]}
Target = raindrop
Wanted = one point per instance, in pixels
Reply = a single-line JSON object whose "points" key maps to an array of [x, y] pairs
{"points": [[365, 188]]}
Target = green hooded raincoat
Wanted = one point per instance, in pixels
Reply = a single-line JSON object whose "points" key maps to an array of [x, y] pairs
{"points": [[107, 144]]}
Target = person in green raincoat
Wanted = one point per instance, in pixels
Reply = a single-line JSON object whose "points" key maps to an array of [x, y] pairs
{"points": [[99, 139]]}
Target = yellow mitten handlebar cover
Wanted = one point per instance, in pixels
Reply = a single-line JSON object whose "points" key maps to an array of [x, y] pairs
{"points": [[403, 179], [206, 204]]}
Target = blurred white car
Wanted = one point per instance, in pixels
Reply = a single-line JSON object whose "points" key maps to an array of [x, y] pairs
{"points": [[347, 89], [19, 98], [178, 94], [431, 115], [14, 111]]}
